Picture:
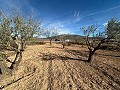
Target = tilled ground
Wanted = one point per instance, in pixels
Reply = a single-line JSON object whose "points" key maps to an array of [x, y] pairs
{"points": [[45, 67]]}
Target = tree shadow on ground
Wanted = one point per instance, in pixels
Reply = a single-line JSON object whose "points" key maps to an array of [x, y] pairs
{"points": [[108, 55], [77, 52], [55, 47], [85, 53], [49, 56]]}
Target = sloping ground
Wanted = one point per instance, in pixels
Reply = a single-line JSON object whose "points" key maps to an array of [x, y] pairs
{"points": [[45, 67]]}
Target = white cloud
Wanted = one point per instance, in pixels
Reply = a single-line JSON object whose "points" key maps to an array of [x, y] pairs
{"points": [[104, 24]]}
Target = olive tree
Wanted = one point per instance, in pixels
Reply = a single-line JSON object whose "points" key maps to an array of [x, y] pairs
{"points": [[113, 29], [50, 33], [15, 30], [89, 41], [93, 44], [5, 33], [62, 39]]}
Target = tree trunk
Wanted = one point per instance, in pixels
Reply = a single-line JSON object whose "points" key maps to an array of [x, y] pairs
{"points": [[63, 44], [18, 56], [91, 53], [17, 60], [50, 42]]}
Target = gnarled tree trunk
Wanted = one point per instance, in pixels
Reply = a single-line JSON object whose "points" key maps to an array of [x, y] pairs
{"points": [[18, 56], [91, 53]]}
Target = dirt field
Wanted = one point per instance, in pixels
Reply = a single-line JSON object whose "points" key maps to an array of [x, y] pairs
{"points": [[45, 67]]}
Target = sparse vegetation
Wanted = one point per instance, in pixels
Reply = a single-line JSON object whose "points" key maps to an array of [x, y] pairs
{"points": [[41, 67]]}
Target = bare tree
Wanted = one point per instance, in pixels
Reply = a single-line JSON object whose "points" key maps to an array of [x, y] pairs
{"points": [[62, 39], [94, 43], [51, 33]]}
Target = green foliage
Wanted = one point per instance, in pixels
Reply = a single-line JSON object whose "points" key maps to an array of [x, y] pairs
{"points": [[2, 56], [5, 30], [24, 28], [15, 30], [113, 28]]}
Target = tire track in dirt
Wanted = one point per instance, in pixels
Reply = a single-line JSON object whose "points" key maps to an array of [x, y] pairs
{"points": [[59, 75], [69, 84], [75, 78], [65, 81], [50, 76], [43, 75]]}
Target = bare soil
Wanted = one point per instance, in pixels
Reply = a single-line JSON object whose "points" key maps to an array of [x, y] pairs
{"points": [[45, 67]]}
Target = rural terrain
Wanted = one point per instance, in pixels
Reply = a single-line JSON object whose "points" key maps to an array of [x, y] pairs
{"points": [[60, 45], [45, 67]]}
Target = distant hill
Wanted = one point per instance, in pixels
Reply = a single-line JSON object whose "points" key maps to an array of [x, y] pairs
{"points": [[71, 37]]}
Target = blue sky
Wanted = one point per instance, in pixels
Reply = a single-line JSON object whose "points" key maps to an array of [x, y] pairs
{"points": [[68, 15]]}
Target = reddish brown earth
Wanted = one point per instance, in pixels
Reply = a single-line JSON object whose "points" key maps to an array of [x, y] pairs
{"points": [[45, 67]]}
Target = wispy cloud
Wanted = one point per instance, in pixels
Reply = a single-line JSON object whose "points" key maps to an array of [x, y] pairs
{"points": [[76, 13], [76, 17], [102, 11]]}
